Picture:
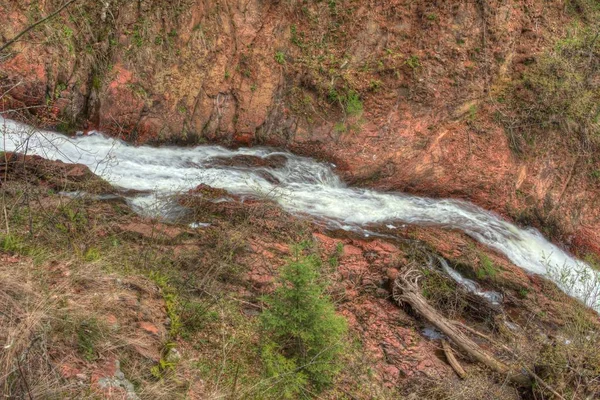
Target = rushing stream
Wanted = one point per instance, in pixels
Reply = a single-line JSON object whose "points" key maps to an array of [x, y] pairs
{"points": [[301, 185]]}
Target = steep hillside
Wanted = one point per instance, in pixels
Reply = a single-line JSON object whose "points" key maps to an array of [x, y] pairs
{"points": [[496, 102], [416, 96]]}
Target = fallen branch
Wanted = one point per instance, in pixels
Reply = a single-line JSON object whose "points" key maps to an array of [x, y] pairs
{"points": [[30, 27], [506, 348], [452, 360], [406, 290]]}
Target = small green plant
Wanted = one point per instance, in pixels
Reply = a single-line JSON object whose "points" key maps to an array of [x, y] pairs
{"points": [[88, 333], [340, 128], [171, 302], [92, 254], [487, 268], [137, 36], [432, 17], [472, 113], [166, 364], [295, 37], [12, 244], [334, 259], [375, 85], [96, 82], [305, 335], [280, 57], [413, 62], [354, 105]]}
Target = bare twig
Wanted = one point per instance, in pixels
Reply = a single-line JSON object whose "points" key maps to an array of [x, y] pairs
{"points": [[30, 27], [452, 360]]}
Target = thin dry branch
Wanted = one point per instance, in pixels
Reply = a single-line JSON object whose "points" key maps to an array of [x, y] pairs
{"points": [[30, 27], [452, 360]]}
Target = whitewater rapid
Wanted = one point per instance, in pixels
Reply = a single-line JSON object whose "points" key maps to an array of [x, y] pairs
{"points": [[301, 185]]}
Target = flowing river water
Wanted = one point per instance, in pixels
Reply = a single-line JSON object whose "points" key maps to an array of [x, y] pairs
{"points": [[301, 185]]}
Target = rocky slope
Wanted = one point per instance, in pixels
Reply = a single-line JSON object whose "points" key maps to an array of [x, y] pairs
{"points": [[400, 95], [403, 95], [98, 302]]}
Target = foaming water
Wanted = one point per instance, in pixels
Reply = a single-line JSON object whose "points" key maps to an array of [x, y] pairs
{"points": [[302, 185]]}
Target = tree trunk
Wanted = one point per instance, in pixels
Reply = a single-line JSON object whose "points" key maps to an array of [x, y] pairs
{"points": [[407, 291]]}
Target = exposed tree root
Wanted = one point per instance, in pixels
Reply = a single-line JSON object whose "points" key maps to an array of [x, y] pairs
{"points": [[406, 290]]}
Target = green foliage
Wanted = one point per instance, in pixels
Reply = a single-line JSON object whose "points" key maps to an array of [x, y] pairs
{"points": [[487, 270], [12, 244], [348, 98], [354, 105], [284, 370], [334, 259], [96, 82], [138, 35], [472, 113], [88, 334], [92, 254], [413, 62], [171, 302], [560, 91], [280, 57], [375, 84], [572, 357], [295, 37], [304, 333]]}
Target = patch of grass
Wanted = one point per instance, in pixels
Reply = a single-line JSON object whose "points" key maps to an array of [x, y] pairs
{"points": [[442, 293], [558, 93], [334, 259], [354, 105], [571, 357], [171, 301], [92, 254], [88, 333], [280, 58], [487, 269], [413, 62], [96, 82], [11, 243]]}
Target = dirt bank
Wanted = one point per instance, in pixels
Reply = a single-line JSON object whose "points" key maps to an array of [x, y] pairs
{"points": [[401, 96]]}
